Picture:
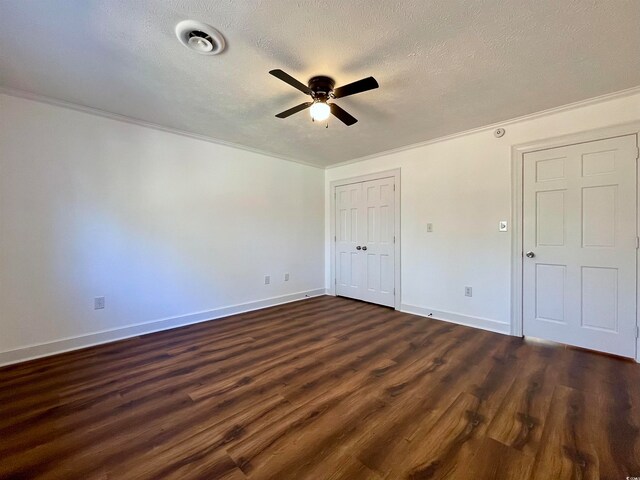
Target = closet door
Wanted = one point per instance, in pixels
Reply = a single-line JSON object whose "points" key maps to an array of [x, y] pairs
{"points": [[378, 284], [349, 231], [365, 241]]}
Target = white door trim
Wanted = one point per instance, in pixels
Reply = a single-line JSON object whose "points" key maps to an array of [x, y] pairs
{"points": [[395, 173], [517, 162]]}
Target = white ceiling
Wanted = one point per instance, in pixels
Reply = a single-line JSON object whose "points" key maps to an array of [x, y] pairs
{"points": [[444, 66]]}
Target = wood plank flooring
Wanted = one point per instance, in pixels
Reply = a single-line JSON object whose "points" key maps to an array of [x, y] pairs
{"points": [[326, 388]]}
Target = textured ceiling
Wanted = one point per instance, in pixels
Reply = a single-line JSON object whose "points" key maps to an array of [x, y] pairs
{"points": [[444, 66]]}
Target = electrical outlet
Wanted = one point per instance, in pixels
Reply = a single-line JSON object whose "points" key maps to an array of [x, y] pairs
{"points": [[286, 277], [468, 292], [429, 227], [267, 279], [98, 303]]}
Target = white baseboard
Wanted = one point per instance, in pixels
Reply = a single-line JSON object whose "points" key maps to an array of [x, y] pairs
{"points": [[74, 343], [477, 322]]}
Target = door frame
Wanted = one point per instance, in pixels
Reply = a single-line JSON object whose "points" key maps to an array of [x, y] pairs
{"points": [[517, 216], [395, 173]]}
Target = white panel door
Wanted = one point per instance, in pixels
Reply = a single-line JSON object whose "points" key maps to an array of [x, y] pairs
{"points": [[349, 231], [365, 241], [378, 242], [579, 271]]}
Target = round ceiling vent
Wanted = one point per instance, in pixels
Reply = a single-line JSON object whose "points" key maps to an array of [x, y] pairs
{"points": [[200, 37]]}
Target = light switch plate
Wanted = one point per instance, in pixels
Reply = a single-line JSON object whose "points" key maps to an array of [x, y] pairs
{"points": [[429, 227], [502, 226]]}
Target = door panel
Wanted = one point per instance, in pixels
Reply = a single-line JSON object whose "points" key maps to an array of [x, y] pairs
{"points": [[580, 216], [550, 218], [599, 206], [348, 263], [550, 292], [365, 218], [599, 298], [379, 202]]}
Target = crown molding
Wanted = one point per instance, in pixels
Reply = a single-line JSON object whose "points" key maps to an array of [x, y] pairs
{"points": [[543, 113], [123, 118], [142, 123]]}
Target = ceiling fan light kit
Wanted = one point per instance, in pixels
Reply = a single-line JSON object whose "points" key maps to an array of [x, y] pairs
{"points": [[320, 111], [321, 89]]}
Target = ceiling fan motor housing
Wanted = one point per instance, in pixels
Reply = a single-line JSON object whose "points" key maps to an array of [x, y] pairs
{"points": [[321, 87]]}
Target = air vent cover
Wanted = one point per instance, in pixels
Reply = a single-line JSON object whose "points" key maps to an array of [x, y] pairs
{"points": [[200, 37]]}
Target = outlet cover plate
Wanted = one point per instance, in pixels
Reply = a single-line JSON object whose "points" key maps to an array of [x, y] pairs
{"points": [[98, 303]]}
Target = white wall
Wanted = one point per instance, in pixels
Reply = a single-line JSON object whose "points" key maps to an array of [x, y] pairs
{"points": [[463, 186], [171, 229], [160, 224]]}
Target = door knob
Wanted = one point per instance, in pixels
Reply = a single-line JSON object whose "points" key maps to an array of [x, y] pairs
{"points": [[530, 254], [364, 248], [358, 247]]}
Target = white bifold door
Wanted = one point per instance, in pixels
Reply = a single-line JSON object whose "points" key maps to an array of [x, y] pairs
{"points": [[580, 234], [364, 253]]}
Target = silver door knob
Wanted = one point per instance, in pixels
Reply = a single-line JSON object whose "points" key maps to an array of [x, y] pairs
{"points": [[358, 247], [530, 254], [364, 248]]}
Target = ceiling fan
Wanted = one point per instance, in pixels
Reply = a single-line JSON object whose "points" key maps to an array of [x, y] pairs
{"points": [[321, 89]]}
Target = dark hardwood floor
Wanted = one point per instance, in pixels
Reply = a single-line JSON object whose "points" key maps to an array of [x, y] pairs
{"points": [[326, 388]]}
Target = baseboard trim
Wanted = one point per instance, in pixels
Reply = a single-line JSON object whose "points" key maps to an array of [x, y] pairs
{"points": [[55, 347], [460, 319]]}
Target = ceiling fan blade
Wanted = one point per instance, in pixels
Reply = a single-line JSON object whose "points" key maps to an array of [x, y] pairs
{"points": [[360, 86], [296, 109], [342, 115], [285, 77]]}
